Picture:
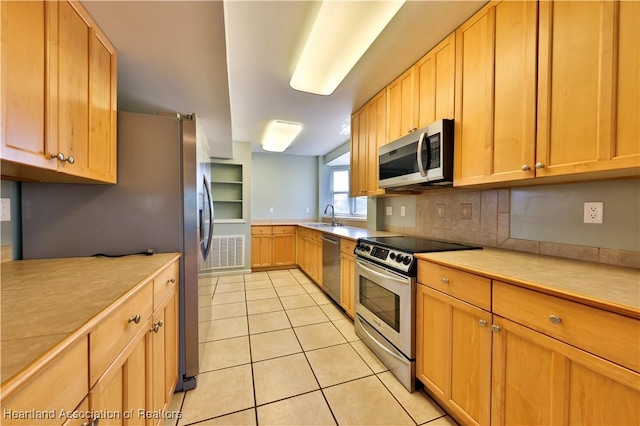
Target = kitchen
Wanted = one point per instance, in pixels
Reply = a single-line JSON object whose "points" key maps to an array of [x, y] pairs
{"points": [[540, 219]]}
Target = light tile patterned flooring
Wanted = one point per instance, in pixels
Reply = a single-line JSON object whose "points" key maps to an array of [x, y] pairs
{"points": [[275, 350]]}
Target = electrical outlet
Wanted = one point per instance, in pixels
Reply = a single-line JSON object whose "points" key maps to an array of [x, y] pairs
{"points": [[307, 210], [389, 210], [403, 211], [270, 209], [593, 212]]}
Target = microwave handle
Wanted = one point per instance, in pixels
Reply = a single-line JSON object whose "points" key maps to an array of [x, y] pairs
{"points": [[419, 154]]}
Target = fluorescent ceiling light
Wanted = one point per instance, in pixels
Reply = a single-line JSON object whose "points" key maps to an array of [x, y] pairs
{"points": [[341, 33], [279, 135]]}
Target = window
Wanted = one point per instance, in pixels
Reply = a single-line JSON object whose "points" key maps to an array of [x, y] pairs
{"points": [[342, 202]]}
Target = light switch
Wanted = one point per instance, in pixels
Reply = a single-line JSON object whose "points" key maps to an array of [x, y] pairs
{"points": [[270, 209], [403, 211]]}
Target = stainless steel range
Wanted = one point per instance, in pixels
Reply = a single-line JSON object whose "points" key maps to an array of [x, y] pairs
{"points": [[385, 288]]}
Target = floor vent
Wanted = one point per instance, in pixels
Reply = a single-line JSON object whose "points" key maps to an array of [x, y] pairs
{"points": [[227, 251]]}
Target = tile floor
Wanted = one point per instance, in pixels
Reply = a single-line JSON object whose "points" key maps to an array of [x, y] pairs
{"points": [[275, 350]]}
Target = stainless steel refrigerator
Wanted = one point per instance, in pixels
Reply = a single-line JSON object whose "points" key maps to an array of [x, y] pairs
{"points": [[161, 202]]}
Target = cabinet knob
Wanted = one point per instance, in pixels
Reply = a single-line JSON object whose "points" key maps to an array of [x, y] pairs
{"points": [[539, 166], [60, 156], [483, 323], [71, 160], [156, 326], [495, 328], [171, 281], [444, 280], [135, 319], [555, 319], [525, 168]]}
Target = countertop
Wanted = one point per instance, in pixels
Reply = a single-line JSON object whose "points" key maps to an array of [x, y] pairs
{"points": [[47, 302], [350, 232], [609, 287]]}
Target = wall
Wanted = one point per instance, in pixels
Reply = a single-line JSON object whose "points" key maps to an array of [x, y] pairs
{"points": [[10, 238], [286, 183], [543, 219]]}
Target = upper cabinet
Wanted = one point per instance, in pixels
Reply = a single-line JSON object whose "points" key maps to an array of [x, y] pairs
{"points": [[435, 82], [588, 88], [496, 94], [58, 94], [401, 106], [586, 122]]}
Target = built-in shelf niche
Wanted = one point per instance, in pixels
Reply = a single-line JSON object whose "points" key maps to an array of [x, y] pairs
{"points": [[227, 190]]}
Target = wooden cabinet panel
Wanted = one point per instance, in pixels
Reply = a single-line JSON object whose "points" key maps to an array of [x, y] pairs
{"points": [[24, 73], [165, 283], [567, 385], [376, 137], [359, 153], [453, 354], [401, 100], [284, 249], [261, 250], [600, 332], [468, 287], [435, 83], [69, 371], [347, 281]]}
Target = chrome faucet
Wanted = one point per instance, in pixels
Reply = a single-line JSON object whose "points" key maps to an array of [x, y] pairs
{"points": [[333, 214]]}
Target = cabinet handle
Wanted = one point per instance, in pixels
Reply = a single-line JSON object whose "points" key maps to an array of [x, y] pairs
{"points": [[525, 168], [483, 323], [444, 280], [156, 326], [60, 156], [495, 328], [539, 166], [71, 160], [555, 319], [171, 281], [135, 319]]}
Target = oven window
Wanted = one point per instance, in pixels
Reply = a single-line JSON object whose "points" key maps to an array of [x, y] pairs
{"points": [[381, 302]]}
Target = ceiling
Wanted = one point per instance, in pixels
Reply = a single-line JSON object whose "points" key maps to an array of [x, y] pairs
{"points": [[180, 56]]}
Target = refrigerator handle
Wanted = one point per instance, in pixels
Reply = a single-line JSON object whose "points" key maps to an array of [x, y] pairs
{"points": [[205, 244]]}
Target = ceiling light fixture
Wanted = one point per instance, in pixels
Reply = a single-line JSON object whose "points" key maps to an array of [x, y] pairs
{"points": [[279, 135], [341, 33]]}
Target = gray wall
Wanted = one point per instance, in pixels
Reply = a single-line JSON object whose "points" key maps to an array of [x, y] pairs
{"points": [[286, 183], [10, 238], [538, 219]]}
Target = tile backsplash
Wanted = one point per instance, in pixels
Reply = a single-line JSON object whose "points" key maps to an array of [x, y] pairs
{"points": [[504, 218]]}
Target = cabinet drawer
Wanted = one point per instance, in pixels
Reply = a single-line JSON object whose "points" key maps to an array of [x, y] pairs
{"points": [[61, 385], [461, 285], [347, 246], [606, 334], [283, 229], [112, 334], [164, 283], [261, 230]]}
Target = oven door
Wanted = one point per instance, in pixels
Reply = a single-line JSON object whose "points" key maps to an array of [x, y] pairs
{"points": [[385, 300]]}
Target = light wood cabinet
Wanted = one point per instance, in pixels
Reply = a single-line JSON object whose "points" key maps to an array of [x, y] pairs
{"points": [[453, 342], [527, 358], [309, 249], [58, 94], [347, 276], [273, 246], [435, 82], [567, 386], [401, 106], [368, 134], [588, 88], [495, 97]]}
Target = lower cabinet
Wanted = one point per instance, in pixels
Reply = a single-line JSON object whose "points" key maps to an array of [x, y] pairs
{"points": [[273, 246], [309, 249], [534, 359], [347, 276], [453, 345]]}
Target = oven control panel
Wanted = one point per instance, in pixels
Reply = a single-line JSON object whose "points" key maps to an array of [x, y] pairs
{"points": [[389, 257]]}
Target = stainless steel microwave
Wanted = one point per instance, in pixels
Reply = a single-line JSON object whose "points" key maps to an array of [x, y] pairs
{"points": [[418, 160]]}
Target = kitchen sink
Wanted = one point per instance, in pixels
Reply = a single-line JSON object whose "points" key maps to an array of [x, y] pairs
{"points": [[322, 224]]}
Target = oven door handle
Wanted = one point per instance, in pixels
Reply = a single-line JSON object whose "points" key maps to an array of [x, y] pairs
{"points": [[383, 276], [365, 326]]}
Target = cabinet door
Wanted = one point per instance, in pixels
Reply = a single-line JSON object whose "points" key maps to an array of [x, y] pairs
{"points": [[347, 289], [284, 249], [125, 385], [453, 354], [376, 137], [401, 99], [496, 94], [261, 250], [540, 380], [588, 107], [24, 92], [359, 153], [435, 81]]}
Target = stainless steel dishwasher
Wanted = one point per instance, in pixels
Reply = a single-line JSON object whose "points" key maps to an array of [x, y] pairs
{"points": [[331, 267]]}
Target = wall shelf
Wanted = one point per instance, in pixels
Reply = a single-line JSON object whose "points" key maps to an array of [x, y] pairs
{"points": [[228, 191]]}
